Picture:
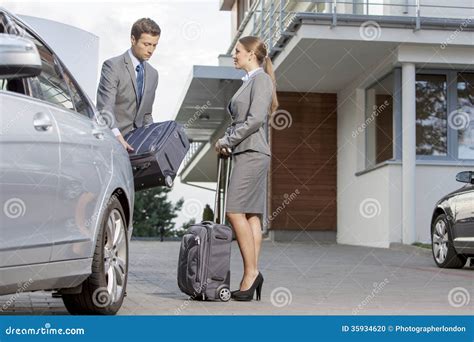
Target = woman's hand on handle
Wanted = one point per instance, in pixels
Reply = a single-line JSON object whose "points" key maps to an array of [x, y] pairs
{"points": [[222, 150]]}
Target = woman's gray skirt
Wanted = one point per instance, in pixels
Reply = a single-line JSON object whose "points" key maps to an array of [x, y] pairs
{"points": [[247, 184]]}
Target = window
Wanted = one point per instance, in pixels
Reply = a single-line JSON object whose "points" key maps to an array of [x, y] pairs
{"points": [[444, 117], [8, 26], [54, 88], [431, 115], [80, 101], [15, 85], [463, 119], [379, 120]]}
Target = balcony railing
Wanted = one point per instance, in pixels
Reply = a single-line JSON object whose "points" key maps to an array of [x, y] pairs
{"points": [[194, 149], [274, 20]]}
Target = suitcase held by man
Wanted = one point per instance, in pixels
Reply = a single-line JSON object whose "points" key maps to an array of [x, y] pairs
{"points": [[204, 257], [158, 151]]}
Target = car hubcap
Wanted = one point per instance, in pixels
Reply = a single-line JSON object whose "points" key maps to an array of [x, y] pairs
{"points": [[115, 256], [440, 241]]}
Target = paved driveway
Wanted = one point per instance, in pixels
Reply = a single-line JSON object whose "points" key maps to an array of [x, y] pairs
{"points": [[300, 279]]}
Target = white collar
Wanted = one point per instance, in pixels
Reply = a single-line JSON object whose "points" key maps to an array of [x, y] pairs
{"points": [[134, 59], [249, 74]]}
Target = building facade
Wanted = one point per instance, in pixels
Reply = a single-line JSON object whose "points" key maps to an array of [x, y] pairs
{"points": [[376, 114]]}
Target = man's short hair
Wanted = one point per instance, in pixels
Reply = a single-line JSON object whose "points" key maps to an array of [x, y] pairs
{"points": [[145, 25]]}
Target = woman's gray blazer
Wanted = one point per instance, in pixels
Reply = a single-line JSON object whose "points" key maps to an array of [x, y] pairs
{"points": [[249, 108]]}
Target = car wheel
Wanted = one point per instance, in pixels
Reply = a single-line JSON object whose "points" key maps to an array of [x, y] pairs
{"points": [[444, 253], [104, 290]]}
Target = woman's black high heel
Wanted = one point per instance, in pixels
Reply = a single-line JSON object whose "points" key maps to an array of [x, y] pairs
{"points": [[247, 295]]}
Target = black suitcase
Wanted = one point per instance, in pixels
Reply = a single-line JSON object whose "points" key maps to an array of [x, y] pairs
{"points": [[204, 256], [159, 149]]}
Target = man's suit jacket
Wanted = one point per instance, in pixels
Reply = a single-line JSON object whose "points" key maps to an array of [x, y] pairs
{"points": [[249, 108], [117, 93]]}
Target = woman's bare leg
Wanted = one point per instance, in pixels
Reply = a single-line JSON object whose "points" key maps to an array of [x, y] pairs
{"points": [[244, 235], [256, 227]]}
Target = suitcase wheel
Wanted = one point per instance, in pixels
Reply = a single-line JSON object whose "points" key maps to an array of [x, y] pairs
{"points": [[169, 181], [223, 292]]}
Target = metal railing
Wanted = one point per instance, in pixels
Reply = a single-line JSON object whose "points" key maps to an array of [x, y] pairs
{"points": [[274, 20], [194, 149]]}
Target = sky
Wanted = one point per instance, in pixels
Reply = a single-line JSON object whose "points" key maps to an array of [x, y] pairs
{"points": [[194, 32]]}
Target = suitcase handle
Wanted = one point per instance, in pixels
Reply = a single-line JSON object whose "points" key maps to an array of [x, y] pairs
{"points": [[221, 160], [142, 167]]}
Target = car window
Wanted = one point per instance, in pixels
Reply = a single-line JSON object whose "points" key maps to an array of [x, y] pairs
{"points": [[54, 88], [15, 85], [8, 26], [80, 101]]}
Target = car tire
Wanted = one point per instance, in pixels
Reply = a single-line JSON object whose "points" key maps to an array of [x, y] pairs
{"points": [[104, 290], [444, 254]]}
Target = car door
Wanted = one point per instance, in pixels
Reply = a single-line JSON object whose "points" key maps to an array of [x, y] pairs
{"points": [[29, 176], [86, 170], [464, 220]]}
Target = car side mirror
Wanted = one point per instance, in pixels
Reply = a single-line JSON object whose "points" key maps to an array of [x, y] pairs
{"points": [[19, 57], [465, 177]]}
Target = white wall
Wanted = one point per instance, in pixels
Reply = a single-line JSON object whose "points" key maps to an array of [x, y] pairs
{"points": [[433, 180], [363, 202], [78, 49]]}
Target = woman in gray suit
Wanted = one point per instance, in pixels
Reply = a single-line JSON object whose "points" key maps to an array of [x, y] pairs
{"points": [[246, 139]]}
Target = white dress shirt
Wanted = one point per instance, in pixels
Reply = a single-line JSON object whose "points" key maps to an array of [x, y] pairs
{"points": [[135, 63], [250, 73]]}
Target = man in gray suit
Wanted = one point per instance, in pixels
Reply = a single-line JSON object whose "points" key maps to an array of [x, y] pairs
{"points": [[128, 82]]}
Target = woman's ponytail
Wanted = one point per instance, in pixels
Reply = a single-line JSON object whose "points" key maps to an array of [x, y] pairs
{"points": [[268, 68]]}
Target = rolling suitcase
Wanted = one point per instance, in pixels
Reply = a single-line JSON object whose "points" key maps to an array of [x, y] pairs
{"points": [[204, 256], [159, 149]]}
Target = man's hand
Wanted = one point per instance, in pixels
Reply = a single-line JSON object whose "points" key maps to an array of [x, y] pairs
{"points": [[124, 143]]}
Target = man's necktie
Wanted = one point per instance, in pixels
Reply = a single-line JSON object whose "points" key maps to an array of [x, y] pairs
{"points": [[140, 77]]}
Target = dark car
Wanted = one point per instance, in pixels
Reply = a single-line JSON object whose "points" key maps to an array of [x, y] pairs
{"points": [[452, 225]]}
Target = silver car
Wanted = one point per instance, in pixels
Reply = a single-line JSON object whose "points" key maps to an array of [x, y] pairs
{"points": [[66, 184]]}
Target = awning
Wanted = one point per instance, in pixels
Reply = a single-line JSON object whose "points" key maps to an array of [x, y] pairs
{"points": [[202, 111]]}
